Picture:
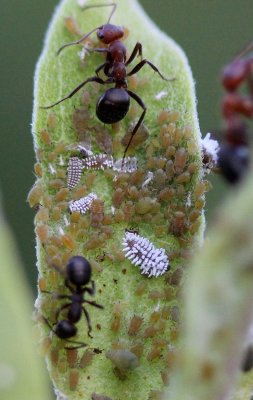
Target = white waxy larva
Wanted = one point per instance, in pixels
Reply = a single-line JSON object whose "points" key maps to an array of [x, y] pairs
{"points": [[98, 161], [75, 168], [210, 149], [142, 253], [82, 205], [129, 165]]}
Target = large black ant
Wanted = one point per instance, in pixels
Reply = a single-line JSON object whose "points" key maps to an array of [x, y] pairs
{"points": [[234, 153], [78, 275], [114, 104]]}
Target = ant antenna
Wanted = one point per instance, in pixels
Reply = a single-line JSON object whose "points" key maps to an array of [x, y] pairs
{"points": [[113, 5], [77, 41], [244, 51]]}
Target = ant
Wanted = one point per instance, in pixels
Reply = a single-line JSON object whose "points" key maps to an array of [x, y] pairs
{"points": [[78, 275], [114, 104], [234, 153]]}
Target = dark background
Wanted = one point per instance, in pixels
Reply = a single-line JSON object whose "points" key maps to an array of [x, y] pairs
{"points": [[210, 31]]}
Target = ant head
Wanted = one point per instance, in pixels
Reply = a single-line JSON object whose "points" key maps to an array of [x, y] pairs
{"points": [[78, 270], [233, 74], [108, 33]]}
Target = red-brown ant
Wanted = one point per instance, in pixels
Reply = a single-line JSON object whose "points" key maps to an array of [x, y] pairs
{"points": [[114, 104], [234, 153], [78, 275]]}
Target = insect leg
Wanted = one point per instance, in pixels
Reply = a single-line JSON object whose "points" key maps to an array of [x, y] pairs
{"points": [[92, 79], [93, 303], [137, 51], [142, 63], [142, 105], [88, 321]]}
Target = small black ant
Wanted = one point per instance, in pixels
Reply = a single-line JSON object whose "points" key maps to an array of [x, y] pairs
{"points": [[78, 275], [234, 152], [114, 104]]}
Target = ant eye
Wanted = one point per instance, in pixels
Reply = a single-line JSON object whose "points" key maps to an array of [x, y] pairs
{"points": [[100, 35]]}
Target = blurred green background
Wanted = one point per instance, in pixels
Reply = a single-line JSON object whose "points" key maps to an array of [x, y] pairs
{"points": [[210, 31]]}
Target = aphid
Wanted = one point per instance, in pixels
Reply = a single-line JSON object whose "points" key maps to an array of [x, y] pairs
{"points": [[135, 325], [114, 104], [78, 275], [209, 150], [142, 253], [97, 212], [233, 158], [75, 168], [82, 205], [73, 379], [42, 232], [123, 359], [86, 359]]}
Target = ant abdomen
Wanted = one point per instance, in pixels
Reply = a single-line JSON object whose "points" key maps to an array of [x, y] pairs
{"points": [[233, 162], [113, 105], [78, 271]]}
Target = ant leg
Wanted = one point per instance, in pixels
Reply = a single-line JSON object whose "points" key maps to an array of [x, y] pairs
{"points": [[92, 79], [140, 102], [244, 51], [137, 51], [79, 41], [48, 323], [46, 291], [102, 66], [60, 271], [88, 321], [91, 290], [60, 309], [55, 295], [93, 303], [142, 63], [250, 78], [114, 5]]}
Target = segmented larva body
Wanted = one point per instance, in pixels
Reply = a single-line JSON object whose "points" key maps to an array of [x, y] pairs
{"points": [[129, 165], [98, 161], [82, 205], [75, 168], [142, 253]]}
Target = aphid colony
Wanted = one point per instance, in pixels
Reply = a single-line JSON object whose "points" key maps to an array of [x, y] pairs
{"points": [[76, 217]]}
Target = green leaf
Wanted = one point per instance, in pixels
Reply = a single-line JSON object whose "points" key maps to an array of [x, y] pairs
{"points": [[134, 336]]}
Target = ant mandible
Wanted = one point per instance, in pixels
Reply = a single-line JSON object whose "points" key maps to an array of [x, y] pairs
{"points": [[78, 275], [114, 104], [234, 153]]}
